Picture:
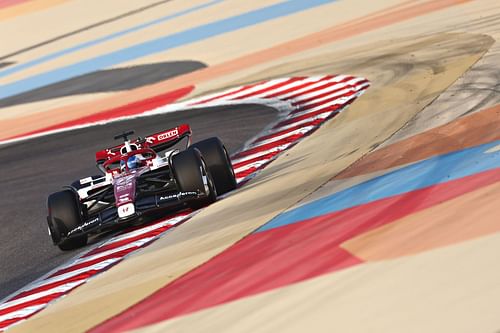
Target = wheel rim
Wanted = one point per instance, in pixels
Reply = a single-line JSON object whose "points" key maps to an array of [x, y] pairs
{"points": [[208, 183], [204, 178]]}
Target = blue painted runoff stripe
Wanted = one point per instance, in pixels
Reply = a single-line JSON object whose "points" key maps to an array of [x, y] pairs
{"points": [[82, 46], [435, 170], [161, 44]]}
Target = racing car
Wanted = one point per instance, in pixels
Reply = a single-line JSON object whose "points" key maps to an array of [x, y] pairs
{"points": [[160, 173]]}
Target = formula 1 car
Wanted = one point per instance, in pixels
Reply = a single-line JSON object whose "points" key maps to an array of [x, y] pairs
{"points": [[140, 177]]}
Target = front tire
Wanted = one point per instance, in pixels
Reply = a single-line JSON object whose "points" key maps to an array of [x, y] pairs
{"points": [[64, 216], [192, 175], [218, 162]]}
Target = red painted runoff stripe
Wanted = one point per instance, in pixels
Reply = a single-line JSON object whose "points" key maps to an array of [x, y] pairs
{"points": [[8, 3], [132, 109], [281, 256]]}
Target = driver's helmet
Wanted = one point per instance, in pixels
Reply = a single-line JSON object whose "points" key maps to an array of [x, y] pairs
{"points": [[133, 162]]}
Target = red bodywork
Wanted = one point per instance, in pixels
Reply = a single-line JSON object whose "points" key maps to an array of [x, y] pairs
{"points": [[171, 136], [111, 160]]}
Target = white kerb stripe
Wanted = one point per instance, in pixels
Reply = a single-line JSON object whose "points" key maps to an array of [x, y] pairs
{"points": [[323, 99], [22, 313], [281, 88], [137, 243], [55, 290], [338, 101], [217, 95], [260, 153], [312, 86], [172, 221], [256, 164], [301, 130], [345, 86], [256, 88], [98, 266]]}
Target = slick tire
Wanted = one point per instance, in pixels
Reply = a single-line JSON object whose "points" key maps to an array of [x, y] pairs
{"points": [[219, 164], [64, 215], [192, 175]]}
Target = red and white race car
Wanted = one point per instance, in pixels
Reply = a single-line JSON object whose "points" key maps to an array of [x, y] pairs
{"points": [[140, 177]]}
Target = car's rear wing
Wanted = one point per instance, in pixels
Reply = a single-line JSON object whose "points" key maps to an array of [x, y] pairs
{"points": [[158, 142]]}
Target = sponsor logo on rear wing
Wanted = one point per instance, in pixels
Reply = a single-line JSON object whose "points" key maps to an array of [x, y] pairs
{"points": [[150, 141], [163, 137], [169, 135]]}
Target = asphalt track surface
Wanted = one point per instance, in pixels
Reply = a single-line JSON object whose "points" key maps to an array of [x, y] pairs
{"points": [[116, 79], [5, 64], [31, 170]]}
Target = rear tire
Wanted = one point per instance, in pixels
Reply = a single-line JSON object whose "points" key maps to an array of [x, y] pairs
{"points": [[218, 162], [192, 175], [64, 216]]}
